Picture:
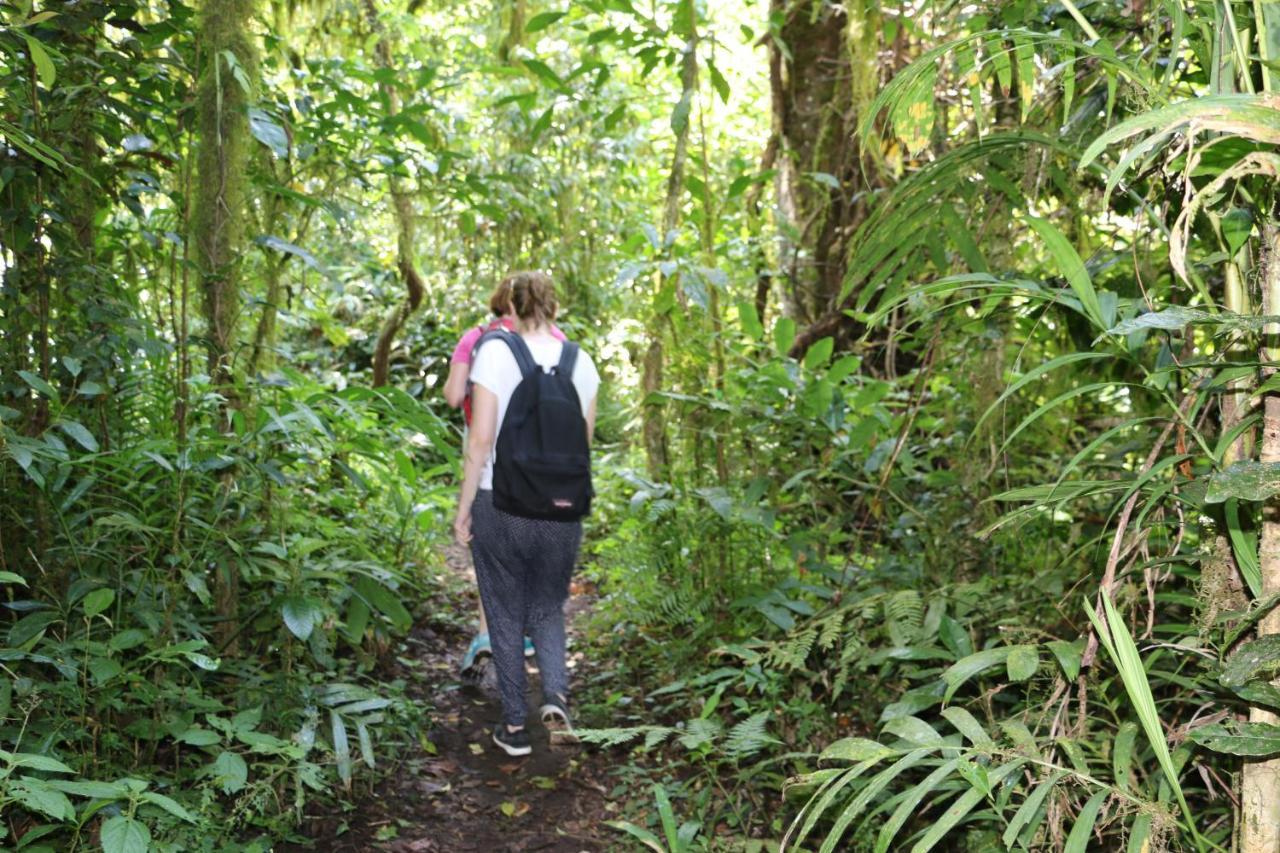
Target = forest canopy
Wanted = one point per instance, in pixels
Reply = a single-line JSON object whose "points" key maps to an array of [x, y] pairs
{"points": [[937, 460]]}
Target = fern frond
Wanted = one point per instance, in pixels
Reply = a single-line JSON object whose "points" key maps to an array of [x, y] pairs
{"points": [[829, 630], [749, 736], [791, 653], [904, 614], [699, 733], [653, 735]]}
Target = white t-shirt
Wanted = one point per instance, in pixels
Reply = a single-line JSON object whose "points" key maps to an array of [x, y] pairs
{"points": [[495, 368]]}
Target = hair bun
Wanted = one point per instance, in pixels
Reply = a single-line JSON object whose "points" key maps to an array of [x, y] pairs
{"points": [[533, 296]]}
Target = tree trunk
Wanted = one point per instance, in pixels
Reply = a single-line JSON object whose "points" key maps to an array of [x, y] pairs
{"points": [[653, 411], [217, 228], [818, 93], [1260, 786], [218, 214], [517, 17], [402, 206]]}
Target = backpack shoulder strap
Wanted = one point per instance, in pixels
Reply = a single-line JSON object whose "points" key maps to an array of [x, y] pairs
{"points": [[519, 349], [568, 358]]}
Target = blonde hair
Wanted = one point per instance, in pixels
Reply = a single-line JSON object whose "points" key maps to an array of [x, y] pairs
{"points": [[533, 296]]}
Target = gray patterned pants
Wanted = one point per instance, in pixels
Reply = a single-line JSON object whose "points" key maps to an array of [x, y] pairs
{"points": [[523, 566]]}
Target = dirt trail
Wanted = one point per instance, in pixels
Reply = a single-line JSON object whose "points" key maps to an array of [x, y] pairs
{"points": [[468, 795]]}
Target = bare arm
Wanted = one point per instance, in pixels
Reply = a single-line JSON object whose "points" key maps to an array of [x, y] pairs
{"points": [[484, 425], [455, 387], [591, 421]]}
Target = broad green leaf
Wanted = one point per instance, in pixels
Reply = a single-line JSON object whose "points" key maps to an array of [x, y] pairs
{"points": [[1247, 480], [855, 749], [1236, 225], [718, 82], [199, 736], [1030, 806], [168, 804], [230, 772], [544, 73], [1257, 659], [301, 615], [750, 320], [1074, 753], [1068, 655], [39, 797], [384, 601], [1071, 267], [913, 116], [268, 132], [29, 627], [784, 334], [44, 64], [35, 761], [1237, 738], [1122, 752], [1022, 663], [968, 726], [285, 247], [818, 353], [913, 730], [121, 834], [97, 601], [1078, 840], [82, 436], [1244, 546], [1259, 693], [11, 577], [644, 836], [341, 747], [961, 807], [38, 384], [1249, 116], [965, 668], [541, 21], [1140, 834], [90, 789]]}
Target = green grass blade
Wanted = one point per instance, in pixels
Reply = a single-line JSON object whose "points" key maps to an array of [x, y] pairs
{"points": [[1078, 840], [1119, 644], [963, 804]]}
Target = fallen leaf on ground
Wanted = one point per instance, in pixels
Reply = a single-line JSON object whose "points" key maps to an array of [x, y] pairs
{"points": [[514, 809]]}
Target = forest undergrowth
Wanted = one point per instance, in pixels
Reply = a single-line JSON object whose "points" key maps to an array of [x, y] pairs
{"points": [[937, 502]]}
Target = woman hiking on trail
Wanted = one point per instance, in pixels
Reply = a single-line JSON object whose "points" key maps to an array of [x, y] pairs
{"points": [[526, 485], [457, 393]]}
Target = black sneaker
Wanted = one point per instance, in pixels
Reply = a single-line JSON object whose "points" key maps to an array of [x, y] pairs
{"points": [[555, 716], [512, 743]]}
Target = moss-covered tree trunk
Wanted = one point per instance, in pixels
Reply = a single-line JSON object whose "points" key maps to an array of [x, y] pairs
{"points": [[402, 207], [224, 91], [823, 73], [228, 70], [653, 411]]}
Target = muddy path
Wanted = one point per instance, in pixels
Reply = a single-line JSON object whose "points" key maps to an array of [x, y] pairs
{"points": [[458, 792]]}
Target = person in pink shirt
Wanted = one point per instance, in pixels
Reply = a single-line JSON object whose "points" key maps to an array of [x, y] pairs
{"points": [[457, 393]]}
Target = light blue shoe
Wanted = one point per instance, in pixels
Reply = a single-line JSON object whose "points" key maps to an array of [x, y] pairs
{"points": [[528, 648], [478, 649]]}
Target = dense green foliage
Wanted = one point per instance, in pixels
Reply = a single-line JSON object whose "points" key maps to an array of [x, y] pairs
{"points": [[970, 554]]}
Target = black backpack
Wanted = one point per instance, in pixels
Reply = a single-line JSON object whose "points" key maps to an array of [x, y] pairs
{"points": [[542, 467]]}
